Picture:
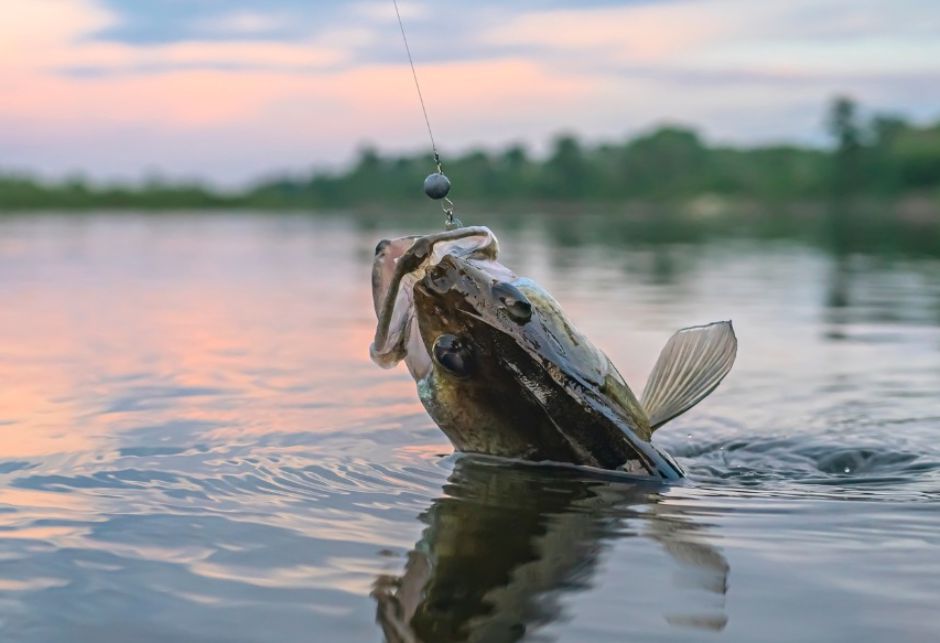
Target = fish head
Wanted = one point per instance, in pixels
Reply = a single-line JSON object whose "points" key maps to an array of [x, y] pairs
{"points": [[398, 265]]}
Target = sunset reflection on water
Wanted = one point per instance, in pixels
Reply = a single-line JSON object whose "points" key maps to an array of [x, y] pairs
{"points": [[105, 337], [194, 444]]}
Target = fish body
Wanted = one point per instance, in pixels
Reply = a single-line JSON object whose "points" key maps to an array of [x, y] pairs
{"points": [[503, 372]]}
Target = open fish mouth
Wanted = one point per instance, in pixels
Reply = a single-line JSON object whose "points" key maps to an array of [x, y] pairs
{"points": [[398, 266]]}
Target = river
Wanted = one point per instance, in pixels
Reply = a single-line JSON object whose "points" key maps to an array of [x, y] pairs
{"points": [[195, 446]]}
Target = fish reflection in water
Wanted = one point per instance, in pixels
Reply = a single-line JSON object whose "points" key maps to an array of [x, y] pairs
{"points": [[507, 542]]}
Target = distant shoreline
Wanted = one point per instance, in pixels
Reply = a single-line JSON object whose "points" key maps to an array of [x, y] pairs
{"points": [[883, 163]]}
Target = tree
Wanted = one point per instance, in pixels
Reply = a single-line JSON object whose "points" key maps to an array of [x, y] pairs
{"points": [[847, 134], [567, 173]]}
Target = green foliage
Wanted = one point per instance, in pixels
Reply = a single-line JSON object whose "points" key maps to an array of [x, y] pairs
{"points": [[20, 193], [884, 157]]}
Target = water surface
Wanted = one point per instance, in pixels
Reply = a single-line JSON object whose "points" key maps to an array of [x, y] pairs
{"points": [[194, 446]]}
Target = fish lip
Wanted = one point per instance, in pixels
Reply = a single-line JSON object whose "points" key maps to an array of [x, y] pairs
{"points": [[439, 278]]}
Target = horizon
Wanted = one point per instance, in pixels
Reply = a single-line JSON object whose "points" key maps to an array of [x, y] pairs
{"points": [[114, 90], [539, 153]]}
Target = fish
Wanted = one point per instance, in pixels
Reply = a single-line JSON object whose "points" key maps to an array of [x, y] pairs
{"points": [[503, 372]]}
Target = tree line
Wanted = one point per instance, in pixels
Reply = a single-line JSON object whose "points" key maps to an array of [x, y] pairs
{"points": [[882, 156]]}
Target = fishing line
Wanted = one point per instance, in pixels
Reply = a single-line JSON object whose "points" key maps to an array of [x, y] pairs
{"points": [[436, 185]]}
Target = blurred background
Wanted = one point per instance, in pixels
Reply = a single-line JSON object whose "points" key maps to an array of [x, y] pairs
{"points": [[195, 446], [715, 106]]}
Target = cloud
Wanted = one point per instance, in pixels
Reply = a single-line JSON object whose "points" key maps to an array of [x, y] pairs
{"points": [[801, 35], [231, 90], [244, 22], [32, 31], [237, 126], [622, 33], [241, 55], [384, 10], [43, 37]]}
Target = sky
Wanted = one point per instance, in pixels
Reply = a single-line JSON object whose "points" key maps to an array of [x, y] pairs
{"points": [[233, 91]]}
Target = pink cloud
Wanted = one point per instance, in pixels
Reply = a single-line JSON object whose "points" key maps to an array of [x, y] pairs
{"points": [[238, 108]]}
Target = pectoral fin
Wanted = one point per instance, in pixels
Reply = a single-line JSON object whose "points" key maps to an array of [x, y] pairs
{"points": [[690, 366]]}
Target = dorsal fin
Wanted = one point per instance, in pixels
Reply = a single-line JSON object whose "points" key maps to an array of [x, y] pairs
{"points": [[690, 366]]}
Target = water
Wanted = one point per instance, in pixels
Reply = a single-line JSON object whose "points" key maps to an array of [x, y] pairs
{"points": [[194, 446]]}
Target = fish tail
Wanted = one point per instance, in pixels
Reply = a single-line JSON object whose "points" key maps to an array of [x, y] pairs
{"points": [[690, 366]]}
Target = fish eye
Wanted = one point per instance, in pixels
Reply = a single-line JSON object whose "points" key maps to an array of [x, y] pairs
{"points": [[515, 303], [382, 245], [453, 355]]}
